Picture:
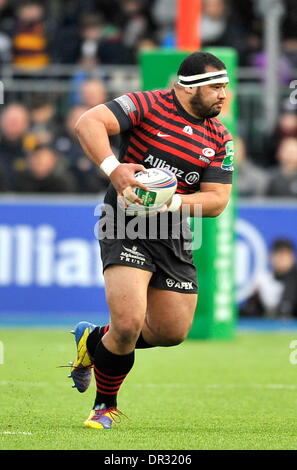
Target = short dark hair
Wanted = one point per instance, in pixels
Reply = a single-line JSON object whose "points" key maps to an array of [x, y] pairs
{"points": [[196, 63], [26, 3], [282, 244], [41, 147]]}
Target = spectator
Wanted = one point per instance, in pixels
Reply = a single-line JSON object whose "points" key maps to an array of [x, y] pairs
{"points": [[276, 291], [5, 42], [43, 122], [136, 23], [66, 143], [252, 180], [93, 42], [29, 38], [101, 43], [289, 28], [89, 177], [44, 174], [146, 44], [6, 15], [286, 127], [14, 126], [4, 184], [283, 180], [92, 93], [164, 15], [221, 27]]}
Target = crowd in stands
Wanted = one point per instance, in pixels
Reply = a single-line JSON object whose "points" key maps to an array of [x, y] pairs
{"points": [[275, 294], [38, 153], [38, 149], [34, 33]]}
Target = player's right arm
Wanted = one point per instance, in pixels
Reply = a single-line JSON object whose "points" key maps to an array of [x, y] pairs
{"points": [[93, 130]]}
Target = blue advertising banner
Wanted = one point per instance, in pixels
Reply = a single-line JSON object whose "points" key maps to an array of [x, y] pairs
{"points": [[50, 261], [50, 267], [258, 226]]}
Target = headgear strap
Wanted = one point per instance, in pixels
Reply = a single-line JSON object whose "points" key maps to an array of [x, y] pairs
{"points": [[207, 78]]}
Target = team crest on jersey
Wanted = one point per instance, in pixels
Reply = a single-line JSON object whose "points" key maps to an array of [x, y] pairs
{"points": [[188, 130], [208, 152]]}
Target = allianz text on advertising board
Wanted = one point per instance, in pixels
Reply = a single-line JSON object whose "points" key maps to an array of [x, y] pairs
{"points": [[49, 257], [33, 256]]}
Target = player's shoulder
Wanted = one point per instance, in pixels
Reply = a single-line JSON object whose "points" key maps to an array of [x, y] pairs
{"points": [[154, 95], [218, 128], [147, 100]]}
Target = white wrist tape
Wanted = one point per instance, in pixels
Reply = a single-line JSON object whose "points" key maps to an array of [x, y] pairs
{"points": [[109, 164], [175, 203]]}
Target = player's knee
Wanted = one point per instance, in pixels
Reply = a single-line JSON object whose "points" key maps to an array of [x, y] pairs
{"points": [[127, 331], [175, 338]]}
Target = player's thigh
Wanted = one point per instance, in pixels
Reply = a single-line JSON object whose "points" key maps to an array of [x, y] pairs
{"points": [[170, 314], [126, 293]]}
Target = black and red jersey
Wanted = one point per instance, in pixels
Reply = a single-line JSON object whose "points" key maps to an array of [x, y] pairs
{"points": [[158, 132]]}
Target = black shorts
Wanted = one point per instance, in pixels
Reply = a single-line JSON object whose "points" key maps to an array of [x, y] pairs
{"points": [[171, 265]]}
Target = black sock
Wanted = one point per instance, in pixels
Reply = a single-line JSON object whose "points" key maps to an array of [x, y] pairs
{"points": [[142, 344], [110, 371], [93, 339], [97, 334]]}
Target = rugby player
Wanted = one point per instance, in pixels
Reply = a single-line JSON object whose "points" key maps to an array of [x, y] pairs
{"points": [[151, 284]]}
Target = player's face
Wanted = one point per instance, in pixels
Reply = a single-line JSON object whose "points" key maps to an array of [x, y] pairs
{"points": [[208, 100]]}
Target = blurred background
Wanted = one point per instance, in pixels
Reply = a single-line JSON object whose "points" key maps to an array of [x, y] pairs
{"points": [[59, 58]]}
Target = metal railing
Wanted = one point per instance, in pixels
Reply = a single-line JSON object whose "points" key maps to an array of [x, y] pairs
{"points": [[61, 78], [59, 82]]}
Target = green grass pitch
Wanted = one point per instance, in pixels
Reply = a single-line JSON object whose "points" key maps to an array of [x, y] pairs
{"points": [[239, 394]]}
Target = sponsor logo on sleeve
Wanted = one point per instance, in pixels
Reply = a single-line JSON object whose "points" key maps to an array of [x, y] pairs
{"points": [[126, 104], [227, 163]]}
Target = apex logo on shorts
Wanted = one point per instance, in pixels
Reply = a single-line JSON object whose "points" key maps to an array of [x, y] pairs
{"points": [[179, 285], [132, 255]]}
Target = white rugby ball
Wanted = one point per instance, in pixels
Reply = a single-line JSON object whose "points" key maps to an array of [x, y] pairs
{"points": [[162, 184]]}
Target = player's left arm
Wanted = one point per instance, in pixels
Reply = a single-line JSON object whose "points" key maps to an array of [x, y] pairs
{"points": [[213, 198], [216, 181]]}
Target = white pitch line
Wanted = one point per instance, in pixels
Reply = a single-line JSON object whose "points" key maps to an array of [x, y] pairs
{"points": [[216, 386], [268, 386], [24, 433]]}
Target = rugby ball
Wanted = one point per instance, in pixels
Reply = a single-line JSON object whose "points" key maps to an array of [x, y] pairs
{"points": [[162, 184]]}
